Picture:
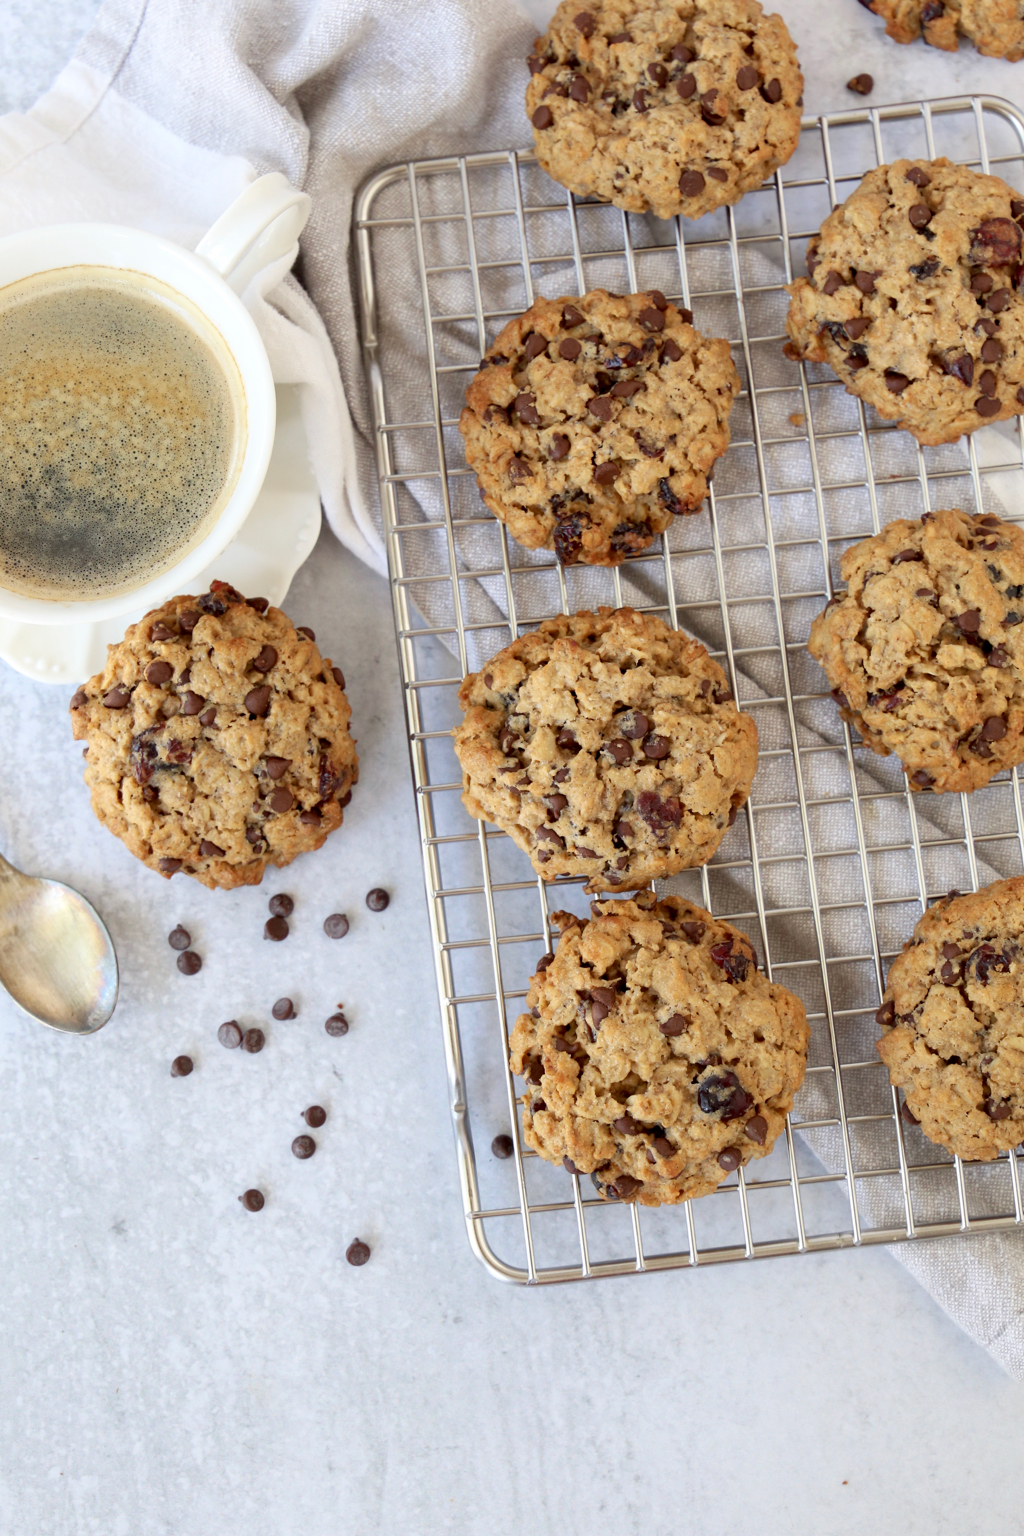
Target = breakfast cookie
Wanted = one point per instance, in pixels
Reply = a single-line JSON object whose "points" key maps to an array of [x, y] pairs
{"points": [[952, 1012], [657, 1057], [667, 106], [606, 745], [217, 739], [912, 298], [593, 421], [925, 649], [995, 27]]}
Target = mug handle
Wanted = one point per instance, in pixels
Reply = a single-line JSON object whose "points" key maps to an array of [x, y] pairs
{"points": [[261, 225]]}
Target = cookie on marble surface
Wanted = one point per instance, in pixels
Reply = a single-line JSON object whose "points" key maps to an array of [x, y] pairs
{"points": [[593, 421], [218, 739], [925, 648], [657, 1057], [951, 1015], [666, 106], [995, 27], [912, 298], [607, 746]]}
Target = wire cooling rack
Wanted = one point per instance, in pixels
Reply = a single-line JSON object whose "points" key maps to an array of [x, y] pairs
{"points": [[832, 862]]}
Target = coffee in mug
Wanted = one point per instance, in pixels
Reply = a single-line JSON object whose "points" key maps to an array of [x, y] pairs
{"points": [[122, 431]]}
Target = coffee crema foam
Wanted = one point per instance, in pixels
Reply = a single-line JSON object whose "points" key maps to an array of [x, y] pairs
{"points": [[122, 429]]}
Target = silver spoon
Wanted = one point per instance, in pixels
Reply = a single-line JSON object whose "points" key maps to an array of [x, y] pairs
{"points": [[56, 957]]}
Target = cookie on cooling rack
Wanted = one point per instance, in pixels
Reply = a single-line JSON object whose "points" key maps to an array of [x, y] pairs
{"points": [[951, 1018], [995, 27], [673, 107], [912, 298], [925, 648], [593, 421], [657, 1057], [217, 739], [607, 746]]}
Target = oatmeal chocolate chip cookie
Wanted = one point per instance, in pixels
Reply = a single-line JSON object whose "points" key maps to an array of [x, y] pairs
{"points": [[913, 298], [995, 27], [217, 739], [951, 1017], [606, 745], [672, 107], [593, 421], [657, 1057], [924, 650]]}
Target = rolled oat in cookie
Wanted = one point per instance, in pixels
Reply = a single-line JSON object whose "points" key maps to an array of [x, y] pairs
{"points": [[667, 106], [925, 649], [594, 421], [952, 1019], [606, 745], [913, 298], [995, 27], [218, 739], [656, 1056]]}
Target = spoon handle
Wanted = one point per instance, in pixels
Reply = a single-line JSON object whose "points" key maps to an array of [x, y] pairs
{"points": [[10, 878]]}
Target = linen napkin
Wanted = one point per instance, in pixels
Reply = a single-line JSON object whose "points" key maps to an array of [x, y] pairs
{"points": [[168, 110]]}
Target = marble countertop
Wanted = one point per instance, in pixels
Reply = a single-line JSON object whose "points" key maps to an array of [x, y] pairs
{"points": [[173, 1366]]}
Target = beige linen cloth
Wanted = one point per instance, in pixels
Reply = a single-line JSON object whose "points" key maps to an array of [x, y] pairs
{"points": [[170, 106]]}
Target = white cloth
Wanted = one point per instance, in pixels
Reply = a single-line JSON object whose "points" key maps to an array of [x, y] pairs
{"points": [[172, 106]]}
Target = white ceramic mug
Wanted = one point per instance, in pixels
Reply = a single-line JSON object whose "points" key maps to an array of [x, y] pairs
{"points": [[261, 226]]}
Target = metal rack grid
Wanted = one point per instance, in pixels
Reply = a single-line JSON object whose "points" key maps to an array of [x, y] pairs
{"points": [[833, 861]]}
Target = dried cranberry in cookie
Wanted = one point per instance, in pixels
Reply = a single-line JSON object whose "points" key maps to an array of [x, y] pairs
{"points": [[218, 739], [924, 651], [951, 1021], [913, 298], [675, 107], [609, 746], [594, 421], [645, 1064]]}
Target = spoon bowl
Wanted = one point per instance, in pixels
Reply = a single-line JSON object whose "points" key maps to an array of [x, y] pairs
{"points": [[57, 960]]}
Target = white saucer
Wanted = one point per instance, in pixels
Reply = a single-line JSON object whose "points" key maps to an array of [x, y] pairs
{"points": [[275, 539]]}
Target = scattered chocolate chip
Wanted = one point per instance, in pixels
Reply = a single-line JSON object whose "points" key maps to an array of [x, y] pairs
{"points": [[605, 473], [252, 1200], [746, 77], [179, 938], [357, 1252], [862, 84], [189, 963], [691, 183], [181, 1066], [579, 90], [117, 697], [336, 1025], [730, 1158], [303, 1147], [377, 899], [192, 703], [281, 801], [315, 1116], [895, 382], [281, 905], [674, 1026], [601, 407], [275, 928], [543, 117], [865, 281], [230, 1035], [253, 1041], [336, 926], [756, 1129], [159, 672], [169, 866], [772, 92], [257, 700], [502, 1146], [986, 406]]}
